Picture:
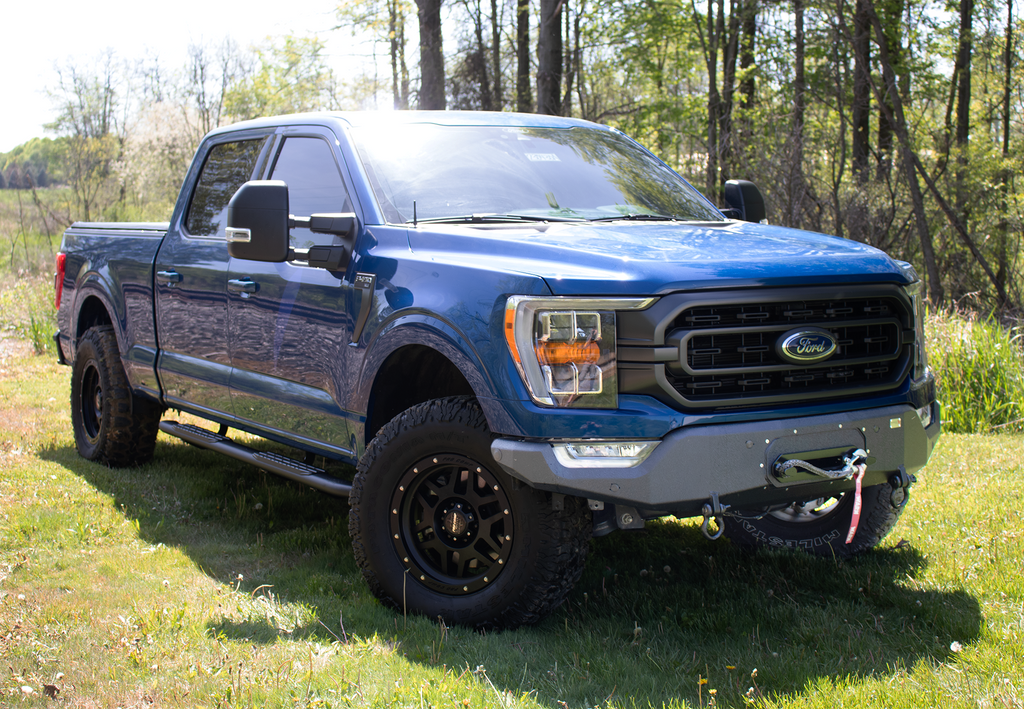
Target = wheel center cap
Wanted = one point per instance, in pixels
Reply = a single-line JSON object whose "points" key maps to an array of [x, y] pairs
{"points": [[455, 523]]}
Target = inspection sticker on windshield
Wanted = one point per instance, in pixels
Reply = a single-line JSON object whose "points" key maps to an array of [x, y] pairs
{"points": [[542, 157]]}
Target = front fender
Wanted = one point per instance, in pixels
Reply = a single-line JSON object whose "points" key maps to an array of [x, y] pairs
{"points": [[428, 330]]}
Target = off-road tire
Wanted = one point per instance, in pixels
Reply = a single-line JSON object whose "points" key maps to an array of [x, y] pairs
{"points": [[821, 534], [111, 424], [409, 515]]}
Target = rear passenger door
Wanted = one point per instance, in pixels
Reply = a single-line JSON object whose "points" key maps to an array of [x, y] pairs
{"points": [[194, 363], [290, 324]]}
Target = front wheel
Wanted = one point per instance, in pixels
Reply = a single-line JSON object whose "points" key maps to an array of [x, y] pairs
{"points": [[439, 529], [819, 526], [111, 424]]}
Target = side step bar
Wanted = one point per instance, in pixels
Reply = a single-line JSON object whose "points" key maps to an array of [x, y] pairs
{"points": [[273, 462]]}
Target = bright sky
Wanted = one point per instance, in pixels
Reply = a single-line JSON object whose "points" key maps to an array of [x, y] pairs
{"points": [[43, 34]]}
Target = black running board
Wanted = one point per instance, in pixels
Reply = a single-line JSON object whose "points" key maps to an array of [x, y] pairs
{"points": [[272, 462]]}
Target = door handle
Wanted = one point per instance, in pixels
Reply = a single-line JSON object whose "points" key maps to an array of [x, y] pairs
{"points": [[243, 285], [168, 278]]}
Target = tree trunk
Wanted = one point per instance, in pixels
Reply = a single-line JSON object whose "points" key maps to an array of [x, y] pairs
{"points": [[895, 118], [486, 98], [573, 58], [1004, 223], [725, 138], [747, 53], [889, 37], [524, 92], [399, 73], [567, 63], [549, 58], [797, 189], [840, 78], [963, 104], [432, 96], [861, 92], [714, 99], [499, 97]]}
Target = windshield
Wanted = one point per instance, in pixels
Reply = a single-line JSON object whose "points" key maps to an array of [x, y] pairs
{"points": [[457, 172]]}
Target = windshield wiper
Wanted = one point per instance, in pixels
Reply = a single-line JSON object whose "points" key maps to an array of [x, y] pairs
{"points": [[494, 218], [637, 218]]}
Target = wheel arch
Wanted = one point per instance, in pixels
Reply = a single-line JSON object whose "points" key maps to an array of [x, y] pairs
{"points": [[92, 309], [413, 361], [92, 312]]}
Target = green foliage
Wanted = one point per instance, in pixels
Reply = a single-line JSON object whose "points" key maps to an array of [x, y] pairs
{"points": [[979, 368], [292, 76], [32, 164], [27, 313]]}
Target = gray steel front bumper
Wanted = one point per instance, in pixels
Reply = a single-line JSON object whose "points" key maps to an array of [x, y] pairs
{"points": [[733, 460]]}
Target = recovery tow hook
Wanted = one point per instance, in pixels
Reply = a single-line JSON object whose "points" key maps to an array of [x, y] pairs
{"points": [[713, 510], [900, 482]]}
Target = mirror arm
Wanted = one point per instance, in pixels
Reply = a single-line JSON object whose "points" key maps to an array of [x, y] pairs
{"points": [[330, 258]]}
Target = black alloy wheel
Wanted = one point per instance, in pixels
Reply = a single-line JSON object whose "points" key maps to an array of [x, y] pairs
{"points": [[451, 523]]}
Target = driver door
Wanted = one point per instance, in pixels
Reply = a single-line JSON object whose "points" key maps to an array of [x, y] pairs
{"points": [[289, 324]]}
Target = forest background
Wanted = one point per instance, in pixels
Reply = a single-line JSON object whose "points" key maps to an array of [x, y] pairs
{"points": [[893, 122]]}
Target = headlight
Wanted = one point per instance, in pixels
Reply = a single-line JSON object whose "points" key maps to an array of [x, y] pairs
{"points": [[916, 293], [564, 348]]}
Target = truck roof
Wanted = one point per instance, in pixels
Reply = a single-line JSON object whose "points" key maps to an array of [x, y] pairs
{"points": [[448, 118]]}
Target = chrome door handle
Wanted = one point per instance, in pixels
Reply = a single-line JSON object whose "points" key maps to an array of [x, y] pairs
{"points": [[243, 285], [168, 278]]}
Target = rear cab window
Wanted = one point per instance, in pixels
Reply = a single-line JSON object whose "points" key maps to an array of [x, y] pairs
{"points": [[227, 167]]}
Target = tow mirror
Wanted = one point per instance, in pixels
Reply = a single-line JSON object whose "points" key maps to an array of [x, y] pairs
{"points": [[258, 221], [744, 200]]}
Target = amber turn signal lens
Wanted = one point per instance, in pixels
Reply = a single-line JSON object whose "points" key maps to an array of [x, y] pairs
{"points": [[510, 332], [554, 353]]}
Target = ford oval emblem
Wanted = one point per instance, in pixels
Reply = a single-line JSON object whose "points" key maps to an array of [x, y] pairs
{"points": [[806, 345]]}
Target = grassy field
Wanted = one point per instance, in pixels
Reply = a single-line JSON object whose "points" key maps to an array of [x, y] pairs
{"points": [[198, 581]]}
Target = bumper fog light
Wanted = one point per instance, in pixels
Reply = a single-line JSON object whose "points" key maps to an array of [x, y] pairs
{"points": [[925, 414], [603, 454]]}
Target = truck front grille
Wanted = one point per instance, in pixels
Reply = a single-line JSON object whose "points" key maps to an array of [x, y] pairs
{"points": [[721, 352]]}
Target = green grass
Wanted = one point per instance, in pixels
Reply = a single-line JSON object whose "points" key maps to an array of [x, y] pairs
{"points": [[979, 369], [27, 312], [199, 581]]}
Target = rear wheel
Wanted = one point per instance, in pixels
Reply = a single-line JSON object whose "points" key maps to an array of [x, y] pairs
{"points": [[439, 529], [111, 424], [819, 526]]}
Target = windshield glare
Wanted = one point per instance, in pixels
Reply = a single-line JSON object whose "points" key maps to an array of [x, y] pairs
{"points": [[561, 173]]}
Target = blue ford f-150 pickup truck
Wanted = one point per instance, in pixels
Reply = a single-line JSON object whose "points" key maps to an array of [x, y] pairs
{"points": [[522, 330]]}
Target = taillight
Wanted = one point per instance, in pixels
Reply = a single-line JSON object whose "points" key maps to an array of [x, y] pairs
{"points": [[58, 279]]}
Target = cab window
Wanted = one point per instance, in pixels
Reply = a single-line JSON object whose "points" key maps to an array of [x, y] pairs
{"points": [[315, 186], [227, 167]]}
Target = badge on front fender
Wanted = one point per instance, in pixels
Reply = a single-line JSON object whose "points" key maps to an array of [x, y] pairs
{"points": [[806, 345]]}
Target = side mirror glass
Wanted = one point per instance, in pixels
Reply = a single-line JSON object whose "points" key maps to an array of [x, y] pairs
{"points": [[744, 200], [257, 227]]}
